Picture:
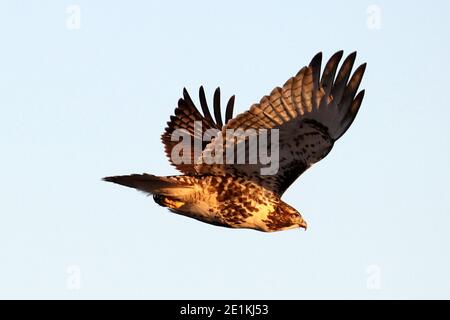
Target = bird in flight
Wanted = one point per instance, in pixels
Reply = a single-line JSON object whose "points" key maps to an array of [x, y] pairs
{"points": [[299, 122]]}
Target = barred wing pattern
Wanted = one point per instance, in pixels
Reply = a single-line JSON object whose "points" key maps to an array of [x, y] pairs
{"points": [[184, 119], [311, 112]]}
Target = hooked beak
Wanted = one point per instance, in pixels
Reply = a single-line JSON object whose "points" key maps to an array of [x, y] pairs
{"points": [[303, 224]]}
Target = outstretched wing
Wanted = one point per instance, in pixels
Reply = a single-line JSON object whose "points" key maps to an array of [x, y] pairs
{"points": [[311, 111], [186, 114]]}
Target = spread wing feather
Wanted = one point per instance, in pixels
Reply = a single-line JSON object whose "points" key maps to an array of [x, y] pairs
{"points": [[311, 111], [184, 119]]}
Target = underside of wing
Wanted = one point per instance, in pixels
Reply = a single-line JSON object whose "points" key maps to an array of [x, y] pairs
{"points": [[310, 112], [188, 126]]}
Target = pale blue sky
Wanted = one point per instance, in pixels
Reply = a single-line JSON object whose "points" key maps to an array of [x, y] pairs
{"points": [[77, 105]]}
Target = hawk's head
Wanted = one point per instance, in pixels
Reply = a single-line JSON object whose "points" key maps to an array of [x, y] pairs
{"points": [[285, 217]]}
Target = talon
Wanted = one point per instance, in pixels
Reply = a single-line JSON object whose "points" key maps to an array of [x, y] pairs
{"points": [[167, 202]]}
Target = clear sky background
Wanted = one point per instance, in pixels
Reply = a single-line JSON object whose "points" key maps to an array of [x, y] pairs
{"points": [[77, 105]]}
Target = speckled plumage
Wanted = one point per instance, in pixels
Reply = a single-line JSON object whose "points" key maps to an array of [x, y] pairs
{"points": [[311, 111]]}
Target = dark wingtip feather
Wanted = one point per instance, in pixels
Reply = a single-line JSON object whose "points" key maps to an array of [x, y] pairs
{"points": [[343, 76], [351, 114], [330, 71], [357, 102], [217, 111], [363, 67], [229, 110], [204, 105], [337, 56], [358, 74], [353, 84], [187, 97], [316, 60], [315, 65]]}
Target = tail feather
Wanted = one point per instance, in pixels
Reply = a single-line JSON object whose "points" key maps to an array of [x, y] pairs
{"points": [[151, 184]]}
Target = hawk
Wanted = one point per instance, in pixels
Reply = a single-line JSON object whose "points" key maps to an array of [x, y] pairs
{"points": [[310, 112]]}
